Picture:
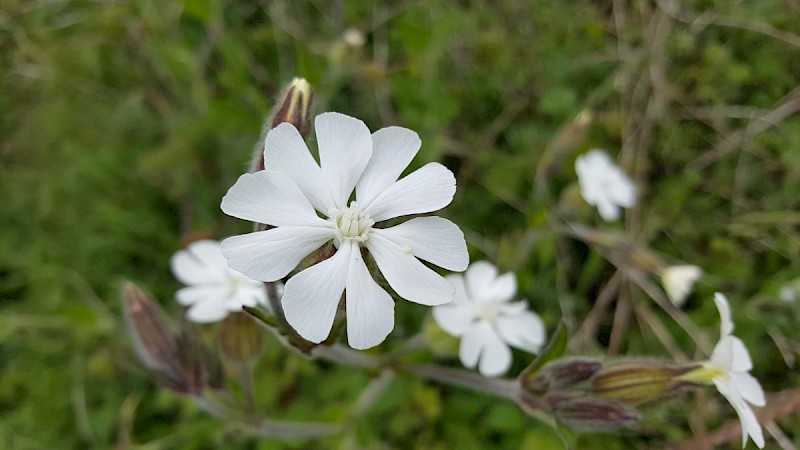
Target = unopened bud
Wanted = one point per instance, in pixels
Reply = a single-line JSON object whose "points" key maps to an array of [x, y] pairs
{"points": [[153, 339], [595, 414], [637, 384], [561, 374], [180, 361], [240, 337], [294, 107]]}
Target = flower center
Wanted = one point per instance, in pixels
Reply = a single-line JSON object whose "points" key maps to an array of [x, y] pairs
{"points": [[488, 312], [351, 223]]}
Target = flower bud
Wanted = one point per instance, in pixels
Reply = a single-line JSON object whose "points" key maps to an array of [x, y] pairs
{"points": [[561, 374], [294, 108], [240, 337], [594, 414], [179, 361], [637, 384], [153, 339]]}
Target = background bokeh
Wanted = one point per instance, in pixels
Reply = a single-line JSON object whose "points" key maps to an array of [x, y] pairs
{"points": [[122, 124]]}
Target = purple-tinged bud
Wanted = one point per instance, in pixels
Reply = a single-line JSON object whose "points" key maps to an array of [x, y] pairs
{"points": [[294, 108], [638, 383], [561, 374], [594, 414], [180, 361], [240, 337], [153, 339]]}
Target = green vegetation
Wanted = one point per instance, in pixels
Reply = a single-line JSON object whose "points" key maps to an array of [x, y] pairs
{"points": [[124, 123]]}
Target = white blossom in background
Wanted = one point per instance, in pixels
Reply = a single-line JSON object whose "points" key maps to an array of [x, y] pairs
{"points": [[604, 185], [678, 282], [730, 366], [212, 289], [487, 321], [309, 205]]}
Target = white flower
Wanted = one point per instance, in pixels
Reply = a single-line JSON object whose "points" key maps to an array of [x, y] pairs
{"points": [[604, 185], [678, 282], [730, 363], [309, 205], [487, 321], [213, 289]]}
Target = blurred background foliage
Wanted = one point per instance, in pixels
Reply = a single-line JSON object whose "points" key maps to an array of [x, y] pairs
{"points": [[122, 124]]}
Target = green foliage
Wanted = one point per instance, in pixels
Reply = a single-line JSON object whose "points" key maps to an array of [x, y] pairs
{"points": [[124, 123]]}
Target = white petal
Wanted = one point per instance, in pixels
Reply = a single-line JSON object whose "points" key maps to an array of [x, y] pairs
{"points": [[427, 189], [201, 263], [484, 285], [311, 298], [432, 239], [608, 210], [201, 293], [678, 282], [271, 198], [285, 152], [370, 309], [741, 361], [469, 351], [750, 425], [726, 324], [722, 355], [345, 147], [454, 318], [411, 279], [393, 148], [481, 342], [749, 388], [270, 255], [525, 331], [207, 312]]}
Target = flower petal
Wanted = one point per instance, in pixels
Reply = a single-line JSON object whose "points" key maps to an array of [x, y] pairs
{"points": [[393, 148], [200, 263], [608, 210], [271, 198], [345, 147], [481, 342], [484, 285], [270, 255], [724, 308], [427, 189], [432, 239], [285, 152], [525, 331], [370, 309], [749, 388], [454, 318], [741, 361], [411, 279], [201, 293], [207, 312], [311, 298]]}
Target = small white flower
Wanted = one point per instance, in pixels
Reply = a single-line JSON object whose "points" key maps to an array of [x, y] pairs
{"points": [[678, 282], [787, 294], [483, 315], [310, 205], [604, 185], [213, 289], [730, 363]]}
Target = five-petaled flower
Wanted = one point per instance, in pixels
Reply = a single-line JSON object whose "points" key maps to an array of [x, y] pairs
{"points": [[729, 367], [310, 205], [487, 321], [213, 289], [604, 185]]}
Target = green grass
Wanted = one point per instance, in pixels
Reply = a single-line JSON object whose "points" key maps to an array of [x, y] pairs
{"points": [[122, 124]]}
